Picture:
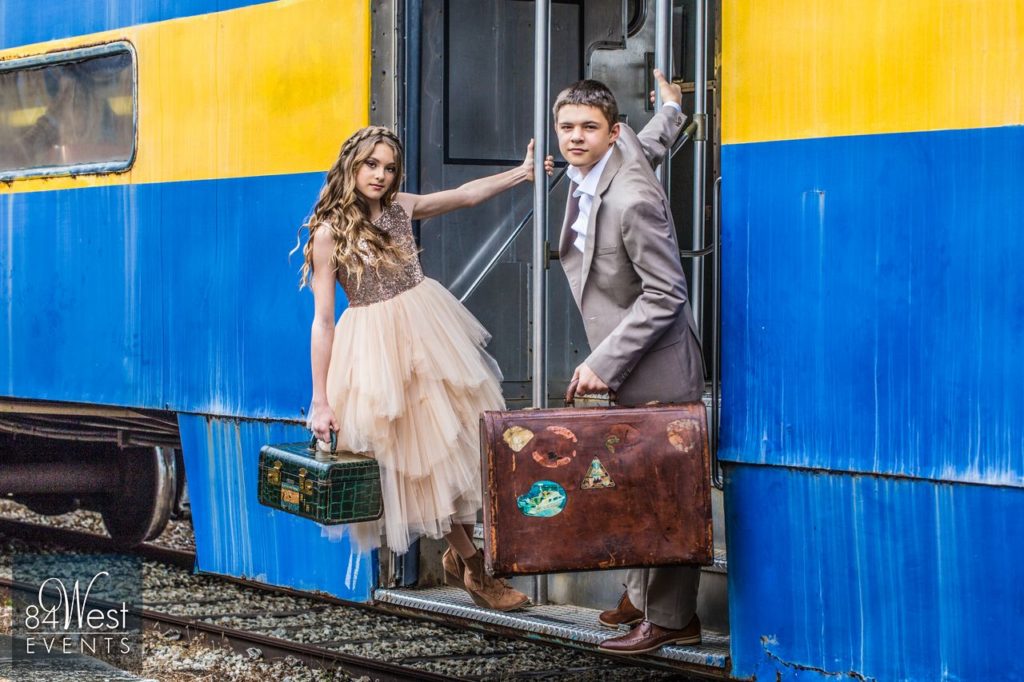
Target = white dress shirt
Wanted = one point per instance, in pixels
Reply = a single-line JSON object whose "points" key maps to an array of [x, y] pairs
{"points": [[586, 187], [584, 194]]}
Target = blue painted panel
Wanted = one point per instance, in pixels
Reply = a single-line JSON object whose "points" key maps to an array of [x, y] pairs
{"points": [[177, 296], [890, 579], [873, 304], [23, 22], [237, 536]]}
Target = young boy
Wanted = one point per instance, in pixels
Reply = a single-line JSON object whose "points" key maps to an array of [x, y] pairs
{"points": [[619, 251]]}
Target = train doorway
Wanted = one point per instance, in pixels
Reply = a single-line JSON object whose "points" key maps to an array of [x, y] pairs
{"points": [[466, 108]]}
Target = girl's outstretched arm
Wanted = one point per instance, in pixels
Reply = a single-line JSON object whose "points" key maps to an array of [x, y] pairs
{"points": [[423, 206], [321, 418]]}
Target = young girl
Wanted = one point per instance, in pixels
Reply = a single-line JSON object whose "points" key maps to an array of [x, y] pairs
{"points": [[403, 376]]}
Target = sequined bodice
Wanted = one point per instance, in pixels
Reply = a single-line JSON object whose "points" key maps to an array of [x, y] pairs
{"points": [[386, 282]]}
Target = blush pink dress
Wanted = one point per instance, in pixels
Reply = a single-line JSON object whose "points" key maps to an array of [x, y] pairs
{"points": [[408, 379]]}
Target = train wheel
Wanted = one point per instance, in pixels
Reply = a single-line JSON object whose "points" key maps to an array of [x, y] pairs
{"points": [[182, 506], [140, 510]]}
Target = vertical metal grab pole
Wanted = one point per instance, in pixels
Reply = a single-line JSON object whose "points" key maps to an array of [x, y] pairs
{"points": [[413, 57], [663, 62], [700, 89], [541, 56]]}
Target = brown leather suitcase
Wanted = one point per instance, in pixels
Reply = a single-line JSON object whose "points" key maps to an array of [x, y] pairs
{"points": [[574, 489]]}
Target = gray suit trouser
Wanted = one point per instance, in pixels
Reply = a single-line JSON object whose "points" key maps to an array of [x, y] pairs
{"points": [[667, 595]]}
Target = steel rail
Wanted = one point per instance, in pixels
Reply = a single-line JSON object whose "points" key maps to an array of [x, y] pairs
{"points": [[80, 539], [242, 641]]}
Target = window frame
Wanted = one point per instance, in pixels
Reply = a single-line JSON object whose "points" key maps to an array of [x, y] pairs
{"points": [[74, 55]]}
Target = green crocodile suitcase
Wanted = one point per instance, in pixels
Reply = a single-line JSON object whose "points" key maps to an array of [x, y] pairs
{"points": [[328, 487]]}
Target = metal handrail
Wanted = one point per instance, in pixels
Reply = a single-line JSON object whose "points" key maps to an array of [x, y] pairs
{"points": [[700, 80], [697, 253], [663, 62], [541, 255], [508, 241], [716, 332]]}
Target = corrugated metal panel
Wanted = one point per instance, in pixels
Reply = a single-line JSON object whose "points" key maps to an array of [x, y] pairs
{"points": [[237, 536], [860, 577], [30, 21], [872, 304], [177, 296]]}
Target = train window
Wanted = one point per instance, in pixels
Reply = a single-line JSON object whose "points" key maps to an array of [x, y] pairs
{"points": [[488, 104], [68, 113]]}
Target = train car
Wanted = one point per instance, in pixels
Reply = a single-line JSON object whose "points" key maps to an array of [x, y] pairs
{"points": [[160, 159], [872, 390], [860, 161]]}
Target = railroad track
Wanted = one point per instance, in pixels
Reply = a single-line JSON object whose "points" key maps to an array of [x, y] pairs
{"points": [[254, 644], [324, 632]]}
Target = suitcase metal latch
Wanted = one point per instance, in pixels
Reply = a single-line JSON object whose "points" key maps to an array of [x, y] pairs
{"points": [[274, 475], [306, 486]]}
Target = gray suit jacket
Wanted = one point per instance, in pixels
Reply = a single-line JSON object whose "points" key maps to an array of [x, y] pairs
{"points": [[629, 284]]}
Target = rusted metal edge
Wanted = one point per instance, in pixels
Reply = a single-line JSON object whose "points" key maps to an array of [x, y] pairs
{"points": [[120, 436], [20, 405], [146, 424]]}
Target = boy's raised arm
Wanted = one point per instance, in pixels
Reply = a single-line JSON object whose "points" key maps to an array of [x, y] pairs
{"points": [[661, 132]]}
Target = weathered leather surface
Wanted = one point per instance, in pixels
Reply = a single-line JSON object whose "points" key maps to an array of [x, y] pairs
{"points": [[326, 487], [657, 510]]}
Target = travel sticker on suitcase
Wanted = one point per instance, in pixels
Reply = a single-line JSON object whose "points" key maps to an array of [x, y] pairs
{"points": [[639, 476]]}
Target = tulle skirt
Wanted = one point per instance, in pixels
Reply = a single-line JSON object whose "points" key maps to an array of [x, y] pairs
{"points": [[408, 380]]}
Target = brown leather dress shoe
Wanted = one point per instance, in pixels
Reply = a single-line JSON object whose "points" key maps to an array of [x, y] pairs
{"points": [[623, 614], [647, 637]]}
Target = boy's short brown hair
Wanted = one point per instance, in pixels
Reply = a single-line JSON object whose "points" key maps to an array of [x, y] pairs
{"points": [[589, 93]]}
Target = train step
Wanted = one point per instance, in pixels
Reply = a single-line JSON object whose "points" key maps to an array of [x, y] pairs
{"points": [[562, 624]]}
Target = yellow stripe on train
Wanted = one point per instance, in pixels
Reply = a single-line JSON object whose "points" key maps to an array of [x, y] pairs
{"points": [[261, 90], [821, 68]]}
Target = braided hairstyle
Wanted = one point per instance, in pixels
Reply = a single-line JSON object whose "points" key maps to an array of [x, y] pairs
{"points": [[343, 211]]}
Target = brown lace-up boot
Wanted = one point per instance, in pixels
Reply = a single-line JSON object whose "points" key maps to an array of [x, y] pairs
{"points": [[488, 592], [454, 569]]}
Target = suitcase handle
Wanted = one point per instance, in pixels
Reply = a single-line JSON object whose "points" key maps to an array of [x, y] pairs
{"points": [[334, 442], [570, 394]]}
